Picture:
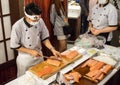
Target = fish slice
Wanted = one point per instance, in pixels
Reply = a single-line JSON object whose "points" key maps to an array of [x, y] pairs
{"points": [[54, 58]]}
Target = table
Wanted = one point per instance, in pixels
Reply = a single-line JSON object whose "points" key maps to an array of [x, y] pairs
{"points": [[31, 79]]}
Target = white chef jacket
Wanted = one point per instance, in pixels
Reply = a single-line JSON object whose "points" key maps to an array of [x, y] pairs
{"points": [[102, 17], [28, 37]]}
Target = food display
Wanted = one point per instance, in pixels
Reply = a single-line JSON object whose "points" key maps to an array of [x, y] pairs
{"points": [[54, 64], [92, 71], [97, 69]]}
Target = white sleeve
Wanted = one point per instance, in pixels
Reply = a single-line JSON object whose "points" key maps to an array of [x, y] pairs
{"points": [[113, 16], [52, 14], [15, 37]]}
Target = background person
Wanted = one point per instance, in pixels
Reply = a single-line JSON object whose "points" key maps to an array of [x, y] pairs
{"points": [[57, 18]]}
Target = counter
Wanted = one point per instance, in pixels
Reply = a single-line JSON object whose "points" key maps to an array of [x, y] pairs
{"points": [[31, 79]]}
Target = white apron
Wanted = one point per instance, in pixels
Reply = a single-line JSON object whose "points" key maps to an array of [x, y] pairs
{"points": [[24, 61]]}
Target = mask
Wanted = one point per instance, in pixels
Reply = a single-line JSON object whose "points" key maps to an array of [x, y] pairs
{"points": [[33, 23], [101, 1]]}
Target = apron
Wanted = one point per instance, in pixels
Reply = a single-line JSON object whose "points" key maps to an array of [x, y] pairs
{"points": [[25, 61]]}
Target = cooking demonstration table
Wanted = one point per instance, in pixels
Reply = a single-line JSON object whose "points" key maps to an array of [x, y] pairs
{"points": [[31, 79]]}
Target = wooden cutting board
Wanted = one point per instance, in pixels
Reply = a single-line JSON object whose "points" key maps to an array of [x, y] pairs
{"points": [[37, 68]]}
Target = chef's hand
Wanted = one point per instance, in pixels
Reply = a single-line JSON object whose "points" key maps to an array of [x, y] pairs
{"points": [[35, 53], [95, 31], [55, 53]]}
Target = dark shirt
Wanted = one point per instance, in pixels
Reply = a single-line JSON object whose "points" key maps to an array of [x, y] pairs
{"points": [[84, 6]]}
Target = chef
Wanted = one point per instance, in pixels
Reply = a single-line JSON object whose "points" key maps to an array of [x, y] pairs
{"points": [[103, 19], [26, 37]]}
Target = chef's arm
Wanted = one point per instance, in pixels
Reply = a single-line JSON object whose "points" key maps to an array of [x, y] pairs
{"points": [[29, 51], [51, 48], [108, 29]]}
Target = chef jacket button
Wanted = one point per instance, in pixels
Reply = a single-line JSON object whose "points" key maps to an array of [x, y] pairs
{"points": [[104, 8], [26, 30], [100, 14], [97, 26], [29, 45], [98, 20], [28, 37], [35, 26]]}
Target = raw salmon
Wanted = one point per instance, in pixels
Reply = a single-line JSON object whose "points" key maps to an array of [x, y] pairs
{"points": [[70, 54], [45, 70], [101, 77], [73, 76], [54, 62], [92, 73], [98, 66], [86, 63], [106, 68], [92, 63], [97, 75], [76, 76]]}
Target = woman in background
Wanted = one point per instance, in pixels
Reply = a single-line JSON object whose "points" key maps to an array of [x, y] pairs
{"points": [[103, 19], [57, 18]]}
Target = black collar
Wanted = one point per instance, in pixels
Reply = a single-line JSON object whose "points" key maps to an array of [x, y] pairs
{"points": [[27, 23], [104, 4]]}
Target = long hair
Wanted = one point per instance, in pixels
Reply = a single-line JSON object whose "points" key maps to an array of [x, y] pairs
{"points": [[58, 6]]}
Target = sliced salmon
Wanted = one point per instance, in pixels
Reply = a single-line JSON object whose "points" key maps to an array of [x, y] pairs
{"points": [[98, 66], [54, 62], [45, 70], [92, 63], [86, 63], [100, 77], [106, 68], [92, 73], [70, 54], [97, 75], [73, 76], [76, 76]]}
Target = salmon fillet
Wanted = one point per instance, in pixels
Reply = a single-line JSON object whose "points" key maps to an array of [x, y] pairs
{"points": [[53, 62], [76, 76], [106, 68], [70, 54], [73, 76], [97, 75], [86, 63], [92, 73], [45, 70], [100, 77], [92, 63], [98, 66]]}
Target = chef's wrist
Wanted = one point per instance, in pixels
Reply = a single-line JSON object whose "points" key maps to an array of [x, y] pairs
{"points": [[52, 48]]}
